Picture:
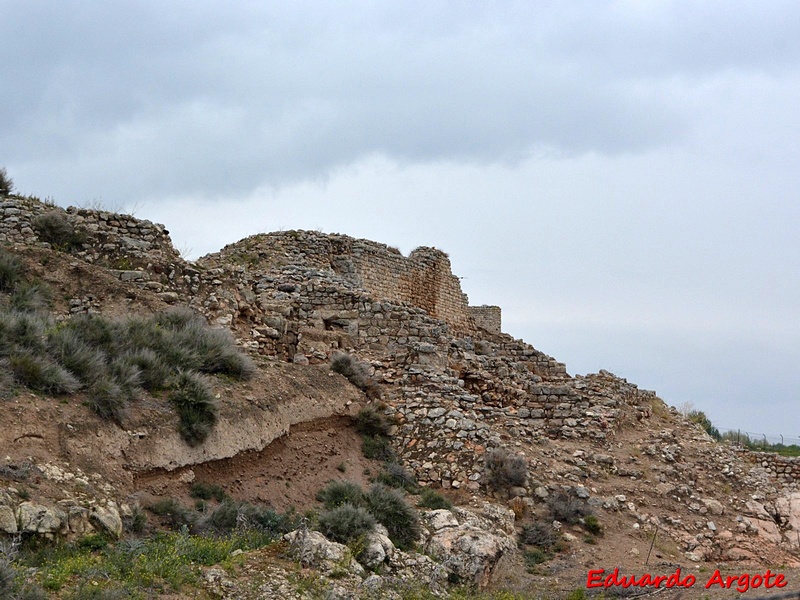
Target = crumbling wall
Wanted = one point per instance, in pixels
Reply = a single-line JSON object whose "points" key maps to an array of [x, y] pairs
{"points": [[423, 279], [486, 317], [785, 468]]}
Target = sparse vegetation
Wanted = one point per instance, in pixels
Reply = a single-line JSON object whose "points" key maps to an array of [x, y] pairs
{"points": [[378, 447], [133, 569], [173, 513], [11, 271], [207, 491], [503, 470], [592, 525], [383, 504], [113, 360], [232, 516]]}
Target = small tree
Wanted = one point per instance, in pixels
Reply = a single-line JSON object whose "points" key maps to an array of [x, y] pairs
{"points": [[6, 183]]}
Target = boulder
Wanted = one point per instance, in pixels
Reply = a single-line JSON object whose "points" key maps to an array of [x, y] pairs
{"points": [[713, 506], [378, 550], [37, 518], [107, 518], [469, 545], [313, 549], [8, 521]]}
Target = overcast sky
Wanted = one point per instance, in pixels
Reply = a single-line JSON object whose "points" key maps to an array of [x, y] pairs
{"points": [[621, 177]]}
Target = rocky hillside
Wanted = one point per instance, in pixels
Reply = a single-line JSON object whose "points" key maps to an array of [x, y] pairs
{"points": [[551, 475]]}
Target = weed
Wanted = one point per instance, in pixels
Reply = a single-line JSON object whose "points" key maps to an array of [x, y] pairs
{"points": [[541, 535], [592, 525], [355, 371], [137, 520], [6, 183], [172, 512], [242, 516], [39, 373], [31, 298], [533, 557], [107, 399]]}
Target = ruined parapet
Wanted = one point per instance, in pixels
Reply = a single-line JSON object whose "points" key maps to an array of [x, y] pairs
{"points": [[423, 279], [487, 318]]}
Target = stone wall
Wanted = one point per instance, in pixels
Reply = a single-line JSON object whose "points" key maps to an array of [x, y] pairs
{"points": [[423, 279], [121, 242], [487, 317], [784, 468]]}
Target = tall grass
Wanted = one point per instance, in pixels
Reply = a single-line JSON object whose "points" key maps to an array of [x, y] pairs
{"points": [[114, 360]]}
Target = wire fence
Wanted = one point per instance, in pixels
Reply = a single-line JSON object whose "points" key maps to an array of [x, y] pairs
{"points": [[756, 438]]}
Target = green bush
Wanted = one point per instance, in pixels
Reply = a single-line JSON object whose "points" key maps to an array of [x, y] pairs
{"points": [[216, 349], [97, 331], [391, 510], [23, 332], [433, 500], [39, 373], [337, 493], [74, 354], [355, 371], [533, 557], [137, 520], [153, 373], [107, 399], [378, 447], [172, 512], [503, 471], [592, 525], [346, 523], [231, 515], [194, 402], [699, 417], [11, 271], [394, 475], [31, 298], [54, 228], [207, 491], [371, 421]]}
